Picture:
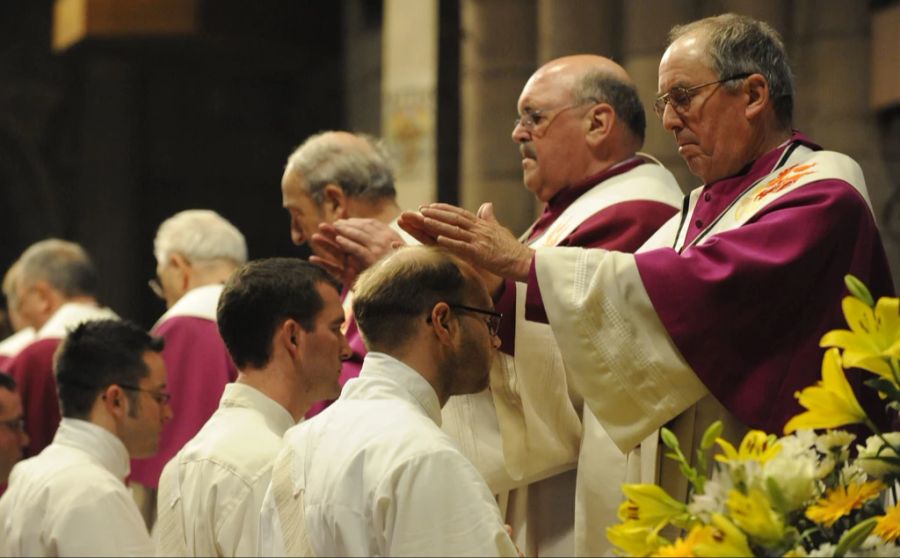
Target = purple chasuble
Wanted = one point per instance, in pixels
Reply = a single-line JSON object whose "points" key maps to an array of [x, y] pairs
{"points": [[747, 307], [32, 369]]}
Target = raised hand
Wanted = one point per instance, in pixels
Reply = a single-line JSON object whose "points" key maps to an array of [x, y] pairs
{"points": [[478, 239], [348, 247]]}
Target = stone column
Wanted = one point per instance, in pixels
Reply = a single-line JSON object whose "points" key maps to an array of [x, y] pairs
{"points": [[497, 57], [409, 91], [646, 27], [362, 67], [576, 27]]}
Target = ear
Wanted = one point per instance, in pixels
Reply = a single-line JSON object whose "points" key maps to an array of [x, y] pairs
{"points": [[602, 120], [443, 323], [46, 294], [757, 89], [115, 402], [183, 265], [334, 202], [290, 335]]}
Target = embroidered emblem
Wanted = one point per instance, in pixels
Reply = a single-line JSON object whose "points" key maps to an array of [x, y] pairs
{"points": [[785, 180], [555, 233]]}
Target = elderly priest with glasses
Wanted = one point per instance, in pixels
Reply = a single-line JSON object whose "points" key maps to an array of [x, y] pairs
{"points": [[721, 312]]}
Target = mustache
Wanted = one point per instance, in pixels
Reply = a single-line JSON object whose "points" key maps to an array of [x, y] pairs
{"points": [[527, 150]]}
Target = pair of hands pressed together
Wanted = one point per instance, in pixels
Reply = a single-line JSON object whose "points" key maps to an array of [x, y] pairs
{"points": [[349, 246]]}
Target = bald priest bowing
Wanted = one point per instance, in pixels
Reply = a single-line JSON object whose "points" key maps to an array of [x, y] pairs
{"points": [[720, 314]]}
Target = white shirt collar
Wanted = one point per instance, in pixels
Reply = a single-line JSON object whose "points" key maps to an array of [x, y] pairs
{"points": [[70, 315], [200, 302], [97, 442], [17, 341], [277, 417], [381, 365]]}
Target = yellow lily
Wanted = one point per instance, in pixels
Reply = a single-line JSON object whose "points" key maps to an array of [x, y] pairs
{"points": [[722, 538], [831, 402], [754, 514], [872, 337], [756, 446], [635, 539], [649, 505]]}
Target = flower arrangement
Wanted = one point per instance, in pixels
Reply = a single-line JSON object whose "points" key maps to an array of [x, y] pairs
{"points": [[801, 494]]}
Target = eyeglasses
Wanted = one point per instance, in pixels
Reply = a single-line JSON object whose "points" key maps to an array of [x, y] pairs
{"points": [[493, 320], [156, 287], [680, 97], [531, 120], [160, 397], [16, 425]]}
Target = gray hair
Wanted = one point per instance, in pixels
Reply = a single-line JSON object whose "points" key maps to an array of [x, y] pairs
{"points": [[64, 265], [621, 96], [362, 173], [200, 235], [740, 44]]}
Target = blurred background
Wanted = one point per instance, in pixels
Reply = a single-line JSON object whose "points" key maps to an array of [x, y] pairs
{"points": [[115, 114]]}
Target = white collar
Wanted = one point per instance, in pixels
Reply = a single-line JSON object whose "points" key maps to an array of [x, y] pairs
{"points": [[17, 341], [386, 367], [72, 314], [199, 302], [277, 417], [95, 441]]}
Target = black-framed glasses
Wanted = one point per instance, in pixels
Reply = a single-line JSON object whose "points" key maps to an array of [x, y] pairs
{"points": [[531, 120], [156, 287], [493, 320], [160, 397], [16, 425], [680, 97]]}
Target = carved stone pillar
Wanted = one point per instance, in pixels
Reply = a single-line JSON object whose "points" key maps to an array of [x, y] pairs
{"points": [[497, 57]]}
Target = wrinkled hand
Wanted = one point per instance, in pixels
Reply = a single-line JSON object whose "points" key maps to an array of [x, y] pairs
{"points": [[348, 247], [478, 239]]}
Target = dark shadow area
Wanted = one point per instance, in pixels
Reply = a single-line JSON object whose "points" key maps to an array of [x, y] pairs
{"points": [[100, 143]]}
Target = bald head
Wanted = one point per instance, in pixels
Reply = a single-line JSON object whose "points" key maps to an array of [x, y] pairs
{"points": [[579, 115]]}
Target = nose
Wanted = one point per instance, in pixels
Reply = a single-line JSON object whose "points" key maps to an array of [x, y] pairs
{"points": [[24, 440], [297, 236], [519, 133], [495, 341], [671, 120], [168, 413], [346, 351]]}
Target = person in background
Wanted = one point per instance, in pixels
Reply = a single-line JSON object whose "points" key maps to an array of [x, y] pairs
{"points": [[71, 499], [55, 290], [196, 251], [22, 335], [13, 438]]}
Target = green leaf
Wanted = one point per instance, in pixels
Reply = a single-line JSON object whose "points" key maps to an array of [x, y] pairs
{"points": [[713, 432], [669, 439], [853, 537], [858, 289]]}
